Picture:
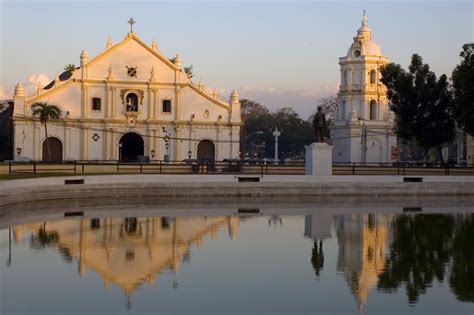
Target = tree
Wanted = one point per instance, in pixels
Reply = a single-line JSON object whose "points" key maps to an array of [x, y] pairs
{"points": [[296, 133], [463, 86], [330, 105], [6, 131], [45, 112], [422, 104], [69, 68], [256, 119], [260, 123]]}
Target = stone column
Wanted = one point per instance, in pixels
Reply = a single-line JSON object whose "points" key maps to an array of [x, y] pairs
{"points": [[84, 143], [319, 159]]}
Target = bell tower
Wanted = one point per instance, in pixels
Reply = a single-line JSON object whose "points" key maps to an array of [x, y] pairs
{"points": [[362, 132]]}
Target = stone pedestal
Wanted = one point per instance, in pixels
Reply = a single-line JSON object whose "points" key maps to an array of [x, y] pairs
{"points": [[319, 159]]}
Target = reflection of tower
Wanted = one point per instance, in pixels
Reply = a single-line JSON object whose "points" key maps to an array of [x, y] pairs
{"points": [[18, 233], [233, 223], [82, 247], [362, 240]]}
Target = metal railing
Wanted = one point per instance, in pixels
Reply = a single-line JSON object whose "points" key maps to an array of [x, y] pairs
{"points": [[229, 167]]}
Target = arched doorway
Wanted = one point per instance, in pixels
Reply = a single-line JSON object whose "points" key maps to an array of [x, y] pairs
{"points": [[56, 149], [130, 147], [206, 150]]}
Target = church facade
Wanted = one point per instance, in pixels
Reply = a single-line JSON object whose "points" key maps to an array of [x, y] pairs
{"points": [[363, 129], [127, 102]]}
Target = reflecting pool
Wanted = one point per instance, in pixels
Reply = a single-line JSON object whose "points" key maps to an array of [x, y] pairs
{"points": [[241, 260]]}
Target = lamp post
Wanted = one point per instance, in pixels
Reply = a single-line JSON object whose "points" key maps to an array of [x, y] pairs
{"points": [[167, 146], [276, 134]]}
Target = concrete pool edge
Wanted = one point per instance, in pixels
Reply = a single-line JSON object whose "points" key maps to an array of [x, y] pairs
{"points": [[190, 186]]}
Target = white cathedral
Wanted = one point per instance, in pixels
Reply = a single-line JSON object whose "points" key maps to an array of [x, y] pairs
{"points": [[363, 129], [127, 102]]}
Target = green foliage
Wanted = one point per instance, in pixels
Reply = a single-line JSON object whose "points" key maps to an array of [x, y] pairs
{"points": [[189, 71], [45, 111], [44, 238], [422, 250], [422, 104], [330, 105], [295, 132], [463, 86], [462, 271], [69, 68], [418, 255]]}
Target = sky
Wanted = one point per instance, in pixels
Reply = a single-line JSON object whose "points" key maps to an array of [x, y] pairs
{"points": [[279, 53]]}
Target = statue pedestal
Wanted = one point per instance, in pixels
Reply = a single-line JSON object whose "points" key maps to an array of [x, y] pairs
{"points": [[319, 159]]}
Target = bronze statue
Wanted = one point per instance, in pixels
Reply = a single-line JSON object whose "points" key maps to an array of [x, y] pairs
{"points": [[319, 125]]}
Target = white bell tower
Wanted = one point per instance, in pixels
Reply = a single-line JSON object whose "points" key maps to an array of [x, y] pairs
{"points": [[363, 130]]}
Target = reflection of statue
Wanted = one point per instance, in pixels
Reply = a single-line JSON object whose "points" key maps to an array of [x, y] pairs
{"points": [[317, 257], [319, 125]]}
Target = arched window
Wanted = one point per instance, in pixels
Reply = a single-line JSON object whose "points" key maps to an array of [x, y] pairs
{"points": [[132, 102], [373, 77], [344, 77], [373, 110]]}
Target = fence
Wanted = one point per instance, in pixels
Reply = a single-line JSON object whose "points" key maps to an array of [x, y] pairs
{"points": [[228, 167]]}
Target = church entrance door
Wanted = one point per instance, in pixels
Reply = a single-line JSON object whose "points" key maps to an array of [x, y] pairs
{"points": [[56, 149], [206, 151], [130, 147]]}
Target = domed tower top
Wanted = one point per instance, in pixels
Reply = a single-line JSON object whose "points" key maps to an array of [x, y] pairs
{"points": [[363, 44], [365, 31]]}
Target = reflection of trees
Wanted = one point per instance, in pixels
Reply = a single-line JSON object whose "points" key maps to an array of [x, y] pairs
{"points": [[422, 247], [462, 271], [44, 238], [420, 250], [317, 257]]}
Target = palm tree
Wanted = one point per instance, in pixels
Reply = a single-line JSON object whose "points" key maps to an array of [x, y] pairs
{"points": [[70, 67], [45, 112]]}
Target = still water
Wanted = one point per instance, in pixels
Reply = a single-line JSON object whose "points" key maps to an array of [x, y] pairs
{"points": [[242, 261]]}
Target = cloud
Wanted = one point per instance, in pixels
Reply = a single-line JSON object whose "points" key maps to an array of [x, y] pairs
{"points": [[303, 101], [5, 93], [30, 85]]}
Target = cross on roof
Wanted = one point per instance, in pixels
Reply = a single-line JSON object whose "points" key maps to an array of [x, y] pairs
{"points": [[131, 22]]}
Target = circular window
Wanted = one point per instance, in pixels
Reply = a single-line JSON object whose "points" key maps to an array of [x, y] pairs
{"points": [[357, 53]]}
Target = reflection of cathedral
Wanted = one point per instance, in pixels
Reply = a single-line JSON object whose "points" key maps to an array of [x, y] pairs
{"points": [[362, 241], [128, 252]]}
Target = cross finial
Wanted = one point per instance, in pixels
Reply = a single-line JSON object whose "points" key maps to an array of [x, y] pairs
{"points": [[131, 22], [364, 19]]}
